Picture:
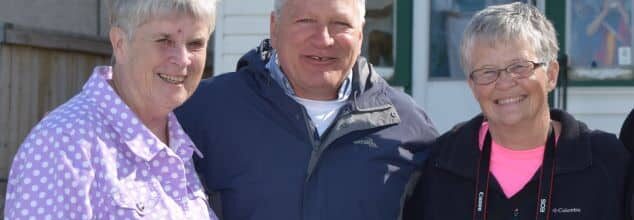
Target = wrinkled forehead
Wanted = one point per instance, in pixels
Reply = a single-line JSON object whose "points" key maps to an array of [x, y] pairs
{"points": [[342, 7], [497, 52], [496, 41]]}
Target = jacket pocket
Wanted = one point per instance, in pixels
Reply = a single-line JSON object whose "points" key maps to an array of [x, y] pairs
{"points": [[138, 196]]}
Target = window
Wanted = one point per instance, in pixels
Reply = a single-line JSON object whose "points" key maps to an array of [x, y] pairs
{"points": [[599, 40], [448, 20], [379, 36]]}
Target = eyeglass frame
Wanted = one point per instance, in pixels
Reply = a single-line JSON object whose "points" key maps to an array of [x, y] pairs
{"points": [[506, 69]]}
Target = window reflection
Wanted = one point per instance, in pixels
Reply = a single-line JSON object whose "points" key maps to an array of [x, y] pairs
{"points": [[599, 39], [448, 20], [378, 45]]}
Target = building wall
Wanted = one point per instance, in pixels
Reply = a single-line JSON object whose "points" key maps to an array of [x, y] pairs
{"points": [[74, 16], [241, 25]]}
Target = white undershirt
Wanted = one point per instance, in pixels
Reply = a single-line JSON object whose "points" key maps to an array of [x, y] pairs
{"points": [[322, 113]]}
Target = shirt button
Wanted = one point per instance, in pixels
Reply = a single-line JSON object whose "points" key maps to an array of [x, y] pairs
{"points": [[140, 209]]}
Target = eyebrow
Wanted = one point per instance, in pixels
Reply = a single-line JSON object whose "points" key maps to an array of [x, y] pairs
{"points": [[161, 35]]}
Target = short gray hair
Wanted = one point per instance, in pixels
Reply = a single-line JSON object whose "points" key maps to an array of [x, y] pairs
{"points": [[129, 14], [511, 23], [279, 4]]}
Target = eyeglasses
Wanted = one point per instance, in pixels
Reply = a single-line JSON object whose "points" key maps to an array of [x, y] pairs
{"points": [[518, 70]]}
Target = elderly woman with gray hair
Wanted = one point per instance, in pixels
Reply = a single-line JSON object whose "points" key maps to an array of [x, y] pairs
{"points": [[519, 159], [116, 150]]}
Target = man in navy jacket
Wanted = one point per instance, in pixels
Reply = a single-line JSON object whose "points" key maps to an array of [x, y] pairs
{"points": [[305, 128]]}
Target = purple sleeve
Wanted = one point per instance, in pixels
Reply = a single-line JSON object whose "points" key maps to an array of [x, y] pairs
{"points": [[50, 178]]}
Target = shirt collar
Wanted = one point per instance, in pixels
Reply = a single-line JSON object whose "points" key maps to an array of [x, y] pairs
{"points": [[138, 138], [278, 75]]}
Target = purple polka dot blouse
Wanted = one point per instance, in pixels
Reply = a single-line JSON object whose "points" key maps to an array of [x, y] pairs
{"points": [[91, 158]]}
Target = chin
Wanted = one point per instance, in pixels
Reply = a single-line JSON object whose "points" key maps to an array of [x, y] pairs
{"points": [[508, 120], [176, 102]]}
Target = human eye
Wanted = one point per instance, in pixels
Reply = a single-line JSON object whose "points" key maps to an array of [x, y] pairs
{"points": [[196, 45], [484, 75], [486, 72], [343, 24], [520, 68], [164, 41], [305, 20]]}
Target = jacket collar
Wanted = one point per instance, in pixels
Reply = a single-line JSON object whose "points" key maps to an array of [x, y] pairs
{"points": [[457, 150]]}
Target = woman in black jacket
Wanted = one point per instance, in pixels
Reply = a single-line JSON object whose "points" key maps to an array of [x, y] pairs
{"points": [[519, 159]]}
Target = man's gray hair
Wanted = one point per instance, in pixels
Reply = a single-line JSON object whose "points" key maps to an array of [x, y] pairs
{"points": [[511, 23], [279, 4], [129, 14]]}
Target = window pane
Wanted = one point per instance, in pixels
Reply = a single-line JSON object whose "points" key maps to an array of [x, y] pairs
{"points": [[599, 39], [448, 20], [379, 34]]}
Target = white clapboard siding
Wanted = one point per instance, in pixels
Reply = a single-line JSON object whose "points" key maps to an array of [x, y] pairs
{"points": [[602, 108], [240, 27]]}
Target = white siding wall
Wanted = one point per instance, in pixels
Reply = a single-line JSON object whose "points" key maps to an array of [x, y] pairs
{"points": [[241, 25], [602, 108]]}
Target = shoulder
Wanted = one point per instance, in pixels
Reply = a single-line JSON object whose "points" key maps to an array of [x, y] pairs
{"points": [[627, 131], [227, 81], [403, 102], [604, 143], [459, 136], [66, 128], [410, 112]]}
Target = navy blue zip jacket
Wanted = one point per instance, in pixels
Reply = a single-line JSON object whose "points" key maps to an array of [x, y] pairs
{"points": [[263, 162]]}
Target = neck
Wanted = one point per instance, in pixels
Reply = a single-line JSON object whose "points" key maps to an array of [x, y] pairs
{"points": [[316, 96], [155, 119], [158, 126], [523, 136]]}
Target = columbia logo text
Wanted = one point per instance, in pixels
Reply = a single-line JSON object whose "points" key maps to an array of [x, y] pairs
{"points": [[566, 210], [366, 141]]}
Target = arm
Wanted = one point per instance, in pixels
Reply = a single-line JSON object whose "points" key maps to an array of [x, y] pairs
{"points": [[50, 178], [596, 23], [627, 132]]}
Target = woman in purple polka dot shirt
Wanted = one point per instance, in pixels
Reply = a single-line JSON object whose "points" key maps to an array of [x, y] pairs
{"points": [[115, 150]]}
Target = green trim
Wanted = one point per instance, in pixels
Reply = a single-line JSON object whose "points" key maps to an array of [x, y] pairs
{"points": [[403, 60], [556, 13], [3, 27], [596, 83]]}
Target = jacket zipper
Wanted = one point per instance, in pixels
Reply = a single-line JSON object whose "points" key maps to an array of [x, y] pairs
{"points": [[516, 214]]}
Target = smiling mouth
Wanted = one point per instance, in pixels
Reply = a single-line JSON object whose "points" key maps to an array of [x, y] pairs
{"points": [[321, 59], [511, 100], [172, 79]]}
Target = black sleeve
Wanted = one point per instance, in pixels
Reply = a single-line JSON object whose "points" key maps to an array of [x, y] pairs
{"points": [[413, 208], [627, 132]]}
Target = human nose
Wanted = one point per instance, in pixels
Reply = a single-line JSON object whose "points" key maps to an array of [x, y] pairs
{"points": [[180, 56], [322, 37], [505, 79]]}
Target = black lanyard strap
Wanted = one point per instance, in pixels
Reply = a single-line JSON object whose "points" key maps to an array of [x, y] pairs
{"points": [[546, 178]]}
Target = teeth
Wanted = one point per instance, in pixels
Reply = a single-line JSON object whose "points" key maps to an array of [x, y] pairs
{"points": [[319, 58], [510, 100], [172, 79]]}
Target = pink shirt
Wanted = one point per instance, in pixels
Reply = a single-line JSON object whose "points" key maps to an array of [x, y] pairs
{"points": [[513, 169], [92, 158]]}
